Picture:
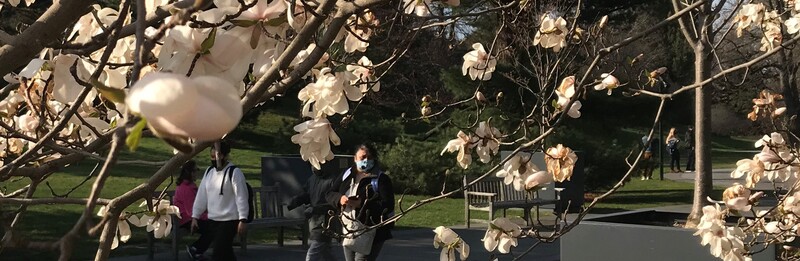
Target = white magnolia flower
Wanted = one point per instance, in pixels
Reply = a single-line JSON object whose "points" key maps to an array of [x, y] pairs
{"points": [[478, 64], [364, 75], [65, 88], [449, 241], [753, 169], [565, 92], [749, 14], [712, 229], [517, 170], [176, 105], [92, 24], [737, 197], [123, 228], [793, 24], [27, 122], [538, 180], [560, 161], [771, 28], [463, 146], [418, 7], [328, 95], [552, 33], [487, 141], [315, 138], [792, 204], [361, 29], [609, 83], [160, 221], [229, 57], [502, 235]]}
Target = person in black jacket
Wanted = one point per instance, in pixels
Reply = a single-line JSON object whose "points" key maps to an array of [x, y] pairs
{"points": [[364, 193], [314, 195]]}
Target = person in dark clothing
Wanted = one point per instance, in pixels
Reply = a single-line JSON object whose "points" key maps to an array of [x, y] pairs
{"points": [[674, 153], [314, 195], [364, 193], [690, 149]]}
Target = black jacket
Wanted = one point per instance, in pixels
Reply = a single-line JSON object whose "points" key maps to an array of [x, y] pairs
{"points": [[375, 206], [314, 194]]}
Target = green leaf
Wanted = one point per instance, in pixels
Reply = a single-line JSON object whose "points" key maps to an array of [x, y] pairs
{"points": [[136, 135], [205, 47], [112, 94], [277, 21], [243, 23]]}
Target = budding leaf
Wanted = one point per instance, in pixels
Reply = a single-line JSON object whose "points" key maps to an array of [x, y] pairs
{"points": [[243, 23], [112, 94], [205, 47], [136, 135], [277, 21]]}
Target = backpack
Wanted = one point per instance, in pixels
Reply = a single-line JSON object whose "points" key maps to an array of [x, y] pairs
{"points": [[672, 145], [250, 198]]}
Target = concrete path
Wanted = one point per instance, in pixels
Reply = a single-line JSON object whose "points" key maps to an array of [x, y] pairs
{"points": [[414, 244], [722, 178]]}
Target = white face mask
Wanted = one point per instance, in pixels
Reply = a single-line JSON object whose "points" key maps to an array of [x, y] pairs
{"points": [[365, 165]]}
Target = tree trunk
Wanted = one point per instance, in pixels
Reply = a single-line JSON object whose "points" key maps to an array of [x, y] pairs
{"points": [[703, 182]]}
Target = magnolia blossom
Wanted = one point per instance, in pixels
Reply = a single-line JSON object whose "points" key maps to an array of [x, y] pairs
{"points": [[449, 241], [765, 102], [752, 168], [724, 241], [565, 92], [538, 180], [502, 235], [417, 7], [552, 33], [749, 14], [772, 31], [478, 63], [463, 145], [609, 83], [28, 122], [776, 157], [737, 197], [92, 24], [159, 221], [364, 75], [176, 105], [793, 24], [315, 138], [229, 57], [123, 228], [487, 141], [560, 160], [517, 170], [791, 204], [361, 29], [328, 95]]}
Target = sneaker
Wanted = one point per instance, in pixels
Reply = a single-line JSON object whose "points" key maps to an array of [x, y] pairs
{"points": [[643, 177]]}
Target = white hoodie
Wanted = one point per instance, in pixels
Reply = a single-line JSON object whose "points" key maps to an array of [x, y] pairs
{"points": [[231, 205]]}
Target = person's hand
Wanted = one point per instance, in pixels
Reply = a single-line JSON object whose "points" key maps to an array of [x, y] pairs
{"points": [[194, 226], [343, 200], [242, 228]]}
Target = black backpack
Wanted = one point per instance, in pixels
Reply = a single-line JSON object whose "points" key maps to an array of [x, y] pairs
{"points": [[250, 199]]}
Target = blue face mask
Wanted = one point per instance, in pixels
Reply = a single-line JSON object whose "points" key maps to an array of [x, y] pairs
{"points": [[365, 165]]}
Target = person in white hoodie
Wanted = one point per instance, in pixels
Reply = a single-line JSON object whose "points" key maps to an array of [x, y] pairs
{"points": [[224, 196]]}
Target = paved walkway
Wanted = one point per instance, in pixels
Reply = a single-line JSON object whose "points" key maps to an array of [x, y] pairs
{"points": [[722, 178], [417, 244], [413, 244]]}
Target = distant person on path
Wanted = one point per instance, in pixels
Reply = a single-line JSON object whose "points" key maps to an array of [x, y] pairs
{"points": [[364, 194], [226, 200], [314, 195], [674, 154], [647, 158], [690, 149], [185, 193]]}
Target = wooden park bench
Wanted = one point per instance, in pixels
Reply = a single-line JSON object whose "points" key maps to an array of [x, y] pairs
{"points": [[491, 195], [269, 213]]}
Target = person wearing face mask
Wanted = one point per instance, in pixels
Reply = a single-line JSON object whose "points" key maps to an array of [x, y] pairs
{"points": [[225, 197], [364, 193]]}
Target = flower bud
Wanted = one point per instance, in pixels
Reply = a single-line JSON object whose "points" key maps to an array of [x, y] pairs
{"points": [[204, 108], [479, 96], [426, 98], [499, 97], [425, 111], [603, 22]]}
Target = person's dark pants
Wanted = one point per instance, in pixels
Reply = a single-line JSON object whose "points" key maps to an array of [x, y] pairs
{"points": [[690, 160], [320, 250], [222, 234], [204, 241], [675, 161]]}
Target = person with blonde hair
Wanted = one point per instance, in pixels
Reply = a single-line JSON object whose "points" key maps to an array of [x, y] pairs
{"points": [[674, 154]]}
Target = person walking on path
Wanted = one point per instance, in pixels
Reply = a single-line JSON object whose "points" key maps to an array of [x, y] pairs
{"points": [[226, 200], [365, 195], [647, 158], [185, 193], [314, 195], [674, 154], [690, 149]]}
